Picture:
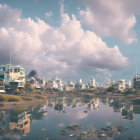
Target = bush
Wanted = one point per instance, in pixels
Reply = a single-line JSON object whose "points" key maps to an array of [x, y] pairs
{"points": [[14, 99], [3, 98], [27, 98], [39, 97], [29, 88], [111, 89], [9, 98]]}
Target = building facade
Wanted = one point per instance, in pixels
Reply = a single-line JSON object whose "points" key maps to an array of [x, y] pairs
{"points": [[10, 73]]}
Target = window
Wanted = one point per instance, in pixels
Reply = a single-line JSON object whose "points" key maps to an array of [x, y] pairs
{"points": [[16, 70]]}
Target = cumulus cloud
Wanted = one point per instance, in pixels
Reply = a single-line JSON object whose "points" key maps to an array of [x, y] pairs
{"points": [[8, 16], [66, 50], [111, 18]]}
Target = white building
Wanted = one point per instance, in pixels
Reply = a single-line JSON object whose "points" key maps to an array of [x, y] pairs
{"points": [[55, 83], [37, 82], [10, 73], [92, 83], [79, 85], [107, 83], [52, 84], [121, 84], [69, 86], [128, 85]]}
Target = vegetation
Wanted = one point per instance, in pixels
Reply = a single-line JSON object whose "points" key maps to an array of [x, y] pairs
{"points": [[39, 97], [29, 88], [9, 98], [33, 73], [1, 83], [27, 98], [111, 89]]}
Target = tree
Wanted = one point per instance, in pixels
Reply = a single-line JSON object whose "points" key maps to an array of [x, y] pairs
{"points": [[111, 89], [33, 73]]}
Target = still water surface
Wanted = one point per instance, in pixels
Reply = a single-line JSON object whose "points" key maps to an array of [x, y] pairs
{"points": [[72, 119]]}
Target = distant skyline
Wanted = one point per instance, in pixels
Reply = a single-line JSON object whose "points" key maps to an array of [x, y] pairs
{"points": [[72, 39]]}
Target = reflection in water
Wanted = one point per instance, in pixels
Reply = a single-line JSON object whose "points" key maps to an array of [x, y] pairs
{"points": [[104, 117], [18, 121]]}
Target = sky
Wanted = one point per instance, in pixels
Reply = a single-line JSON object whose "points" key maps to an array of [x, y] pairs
{"points": [[72, 39]]}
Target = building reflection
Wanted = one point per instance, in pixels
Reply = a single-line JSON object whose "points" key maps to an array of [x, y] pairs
{"points": [[127, 110], [18, 121]]}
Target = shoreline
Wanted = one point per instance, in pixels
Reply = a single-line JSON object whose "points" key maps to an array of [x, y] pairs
{"points": [[24, 103]]}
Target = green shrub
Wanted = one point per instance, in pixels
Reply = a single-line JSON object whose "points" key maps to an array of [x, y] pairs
{"points": [[9, 98], [111, 89], [27, 98], [39, 97], [3, 98], [14, 99], [29, 88]]}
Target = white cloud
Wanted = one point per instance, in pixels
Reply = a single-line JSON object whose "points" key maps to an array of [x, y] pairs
{"points": [[66, 50], [8, 16], [48, 14], [111, 18]]}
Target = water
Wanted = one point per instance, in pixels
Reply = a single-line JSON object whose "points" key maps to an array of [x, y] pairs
{"points": [[96, 118]]}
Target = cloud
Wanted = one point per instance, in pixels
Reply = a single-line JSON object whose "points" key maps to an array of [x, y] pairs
{"points": [[8, 16], [66, 50], [111, 18], [79, 115], [48, 14]]}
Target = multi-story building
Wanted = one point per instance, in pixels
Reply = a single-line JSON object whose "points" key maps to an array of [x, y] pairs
{"points": [[51, 84], [121, 84], [128, 85], [69, 86], [136, 81], [37, 82], [10, 74], [55, 83], [92, 83], [79, 85]]}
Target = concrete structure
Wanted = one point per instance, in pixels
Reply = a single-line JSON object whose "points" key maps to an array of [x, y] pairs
{"points": [[121, 84], [10, 73], [2, 89], [128, 85], [51, 84], [55, 83], [107, 83], [79, 85], [92, 83], [69, 86], [136, 81], [37, 82]]}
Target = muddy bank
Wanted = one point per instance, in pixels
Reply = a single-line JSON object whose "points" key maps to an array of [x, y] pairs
{"points": [[10, 105]]}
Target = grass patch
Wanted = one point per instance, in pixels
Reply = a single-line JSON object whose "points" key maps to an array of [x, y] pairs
{"points": [[39, 97], [27, 98], [9, 98]]}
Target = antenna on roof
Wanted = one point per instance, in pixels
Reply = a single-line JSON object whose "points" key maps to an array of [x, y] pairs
{"points": [[133, 68], [10, 57]]}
